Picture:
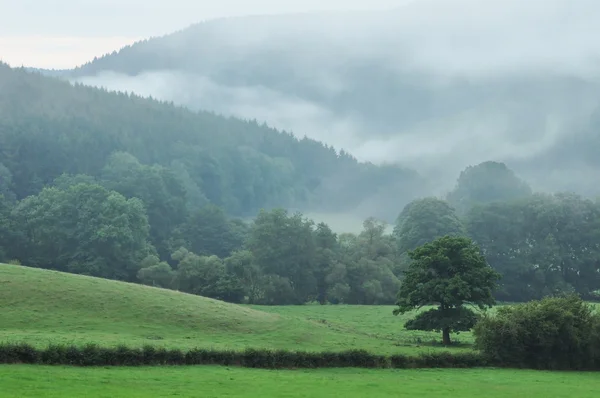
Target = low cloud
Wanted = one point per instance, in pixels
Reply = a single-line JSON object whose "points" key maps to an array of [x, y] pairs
{"points": [[439, 148], [473, 80], [278, 109]]}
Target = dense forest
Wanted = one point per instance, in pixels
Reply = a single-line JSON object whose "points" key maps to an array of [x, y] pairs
{"points": [[120, 187], [50, 128]]}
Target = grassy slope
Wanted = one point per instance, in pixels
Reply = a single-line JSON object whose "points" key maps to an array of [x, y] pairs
{"points": [[41, 307], [38, 381], [373, 321]]}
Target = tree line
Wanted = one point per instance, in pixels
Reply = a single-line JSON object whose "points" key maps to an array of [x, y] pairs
{"points": [[120, 187], [78, 225], [133, 223], [541, 244]]}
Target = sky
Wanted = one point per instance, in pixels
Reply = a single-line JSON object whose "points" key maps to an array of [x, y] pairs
{"points": [[66, 33]]}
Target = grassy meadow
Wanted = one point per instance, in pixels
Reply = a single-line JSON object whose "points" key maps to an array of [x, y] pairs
{"points": [[52, 382], [41, 307], [373, 321]]}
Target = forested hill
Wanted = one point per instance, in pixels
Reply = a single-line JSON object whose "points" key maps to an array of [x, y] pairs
{"points": [[49, 127], [121, 187], [386, 89]]}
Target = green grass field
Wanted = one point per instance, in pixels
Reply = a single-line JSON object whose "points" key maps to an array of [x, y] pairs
{"points": [[373, 321], [206, 381], [41, 307]]}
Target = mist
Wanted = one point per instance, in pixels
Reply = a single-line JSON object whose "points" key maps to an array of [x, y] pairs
{"points": [[469, 81]]}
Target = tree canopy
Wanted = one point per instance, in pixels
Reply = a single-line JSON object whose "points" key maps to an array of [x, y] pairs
{"points": [[116, 186], [484, 183], [543, 245], [424, 220], [85, 229], [450, 273], [154, 149]]}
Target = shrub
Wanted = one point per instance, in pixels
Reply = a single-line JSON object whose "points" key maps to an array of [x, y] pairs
{"points": [[448, 360], [93, 355], [553, 333], [19, 353]]}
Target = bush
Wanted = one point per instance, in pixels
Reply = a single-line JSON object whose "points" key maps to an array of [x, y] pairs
{"points": [[448, 360], [19, 353], [553, 333], [93, 355]]}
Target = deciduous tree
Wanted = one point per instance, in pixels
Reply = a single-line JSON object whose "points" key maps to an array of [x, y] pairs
{"points": [[485, 183], [85, 229], [423, 220], [449, 272]]}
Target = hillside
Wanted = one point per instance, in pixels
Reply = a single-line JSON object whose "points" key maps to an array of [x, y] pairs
{"points": [[41, 307], [49, 127], [436, 99]]}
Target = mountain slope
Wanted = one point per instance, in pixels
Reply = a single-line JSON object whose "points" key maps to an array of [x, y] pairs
{"points": [[477, 83], [48, 127]]}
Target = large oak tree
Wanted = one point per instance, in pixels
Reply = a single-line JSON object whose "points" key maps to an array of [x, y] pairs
{"points": [[449, 272]]}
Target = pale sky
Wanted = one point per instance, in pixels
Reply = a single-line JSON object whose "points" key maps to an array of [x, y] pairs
{"points": [[66, 33]]}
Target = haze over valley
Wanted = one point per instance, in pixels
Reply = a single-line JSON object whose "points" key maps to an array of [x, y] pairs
{"points": [[434, 85]]}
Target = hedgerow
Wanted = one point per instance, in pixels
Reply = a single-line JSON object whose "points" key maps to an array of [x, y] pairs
{"points": [[94, 355]]}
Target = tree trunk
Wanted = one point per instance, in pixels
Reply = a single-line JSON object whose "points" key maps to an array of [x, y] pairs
{"points": [[446, 336]]}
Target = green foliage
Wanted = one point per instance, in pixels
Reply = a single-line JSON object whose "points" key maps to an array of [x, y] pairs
{"points": [[554, 333], [6, 183], [190, 174], [6, 232], [153, 272], [284, 247], [93, 355], [484, 183], [84, 229], [64, 181], [242, 266], [159, 189], [366, 265], [449, 272], [206, 276], [542, 245], [325, 258], [208, 231], [423, 220], [459, 319], [148, 149]]}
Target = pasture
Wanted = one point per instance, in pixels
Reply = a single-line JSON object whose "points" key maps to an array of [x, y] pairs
{"points": [[207, 381], [42, 307]]}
